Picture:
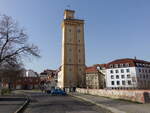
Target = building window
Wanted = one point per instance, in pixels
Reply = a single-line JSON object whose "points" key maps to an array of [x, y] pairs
{"points": [[118, 82], [117, 76], [139, 70], [123, 82], [140, 76], [112, 83], [128, 70], [133, 79], [112, 76], [129, 82], [69, 30], [145, 71], [111, 71], [122, 76], [122, 70], [128, 76], [79, 40], [79, 50], [117, 71]]}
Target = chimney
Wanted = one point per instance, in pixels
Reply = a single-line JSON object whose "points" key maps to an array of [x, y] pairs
{"points": [[135, 57]]}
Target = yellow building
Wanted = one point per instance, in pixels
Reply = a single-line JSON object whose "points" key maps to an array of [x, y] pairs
{"points": [[72, 72]]}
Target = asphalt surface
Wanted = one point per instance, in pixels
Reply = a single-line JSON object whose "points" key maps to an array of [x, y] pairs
{"points": [[8, 105], [41, 103]]}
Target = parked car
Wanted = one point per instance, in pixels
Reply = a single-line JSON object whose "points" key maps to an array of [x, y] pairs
{"points": [[58, 92], [48, 91]]}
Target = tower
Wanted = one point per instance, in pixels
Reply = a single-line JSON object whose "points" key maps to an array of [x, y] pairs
{"points": [[73, 51]]}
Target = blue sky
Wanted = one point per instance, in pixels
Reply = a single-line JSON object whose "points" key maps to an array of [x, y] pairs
{"points": [[113, 28]]}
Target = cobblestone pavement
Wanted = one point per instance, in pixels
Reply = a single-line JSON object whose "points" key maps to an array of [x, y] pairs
{"points": [[61, 104], [9, 106], [126, 106]]}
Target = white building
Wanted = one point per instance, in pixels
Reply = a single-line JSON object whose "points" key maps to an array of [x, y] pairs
{"points": [[30, 73], [128, 74]]}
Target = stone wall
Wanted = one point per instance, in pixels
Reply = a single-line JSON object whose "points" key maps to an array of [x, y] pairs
{"points": [[142, 96]]}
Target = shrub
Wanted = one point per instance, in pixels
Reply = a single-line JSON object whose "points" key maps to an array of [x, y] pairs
{"points": [[5, 91]]}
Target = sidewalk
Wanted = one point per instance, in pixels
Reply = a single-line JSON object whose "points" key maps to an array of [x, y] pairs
{"points": [[114, 105]]}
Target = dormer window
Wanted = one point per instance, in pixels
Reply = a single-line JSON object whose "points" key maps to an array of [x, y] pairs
{"points": [[127, 65], [111, 66], [116, 65], [121, 65]]}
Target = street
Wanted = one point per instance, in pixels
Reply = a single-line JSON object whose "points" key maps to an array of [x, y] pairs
{"points": [[43, 103]]}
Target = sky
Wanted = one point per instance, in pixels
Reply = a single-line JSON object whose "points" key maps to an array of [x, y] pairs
{"points": [[114, 29]]}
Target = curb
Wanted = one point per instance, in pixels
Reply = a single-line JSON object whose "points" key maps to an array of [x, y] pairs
{"points": [[21, 108], [112, 109]]}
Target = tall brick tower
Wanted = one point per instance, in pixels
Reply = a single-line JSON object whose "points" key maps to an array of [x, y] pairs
{"points": [[73, 52]]}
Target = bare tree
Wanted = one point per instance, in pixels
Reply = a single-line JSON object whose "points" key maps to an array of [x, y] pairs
{"points": [[13, 47], [13, 42]]}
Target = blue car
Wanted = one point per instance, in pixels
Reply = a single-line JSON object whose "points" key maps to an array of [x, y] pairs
{"points": [[58, 92]]}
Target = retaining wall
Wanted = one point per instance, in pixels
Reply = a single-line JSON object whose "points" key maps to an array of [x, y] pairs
{"points": [[142, 96]]}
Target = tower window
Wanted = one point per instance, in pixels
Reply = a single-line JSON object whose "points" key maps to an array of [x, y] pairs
{"points": [[70, 49], [78, 30], [69, 60]]}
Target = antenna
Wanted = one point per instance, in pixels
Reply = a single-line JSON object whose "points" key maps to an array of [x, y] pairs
{"points": [[68, 6]]}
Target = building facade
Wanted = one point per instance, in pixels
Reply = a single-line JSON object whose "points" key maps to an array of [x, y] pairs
{"points": [[94, 78], [128, 74], [73, 52], [48, 79], [28, 80]]}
